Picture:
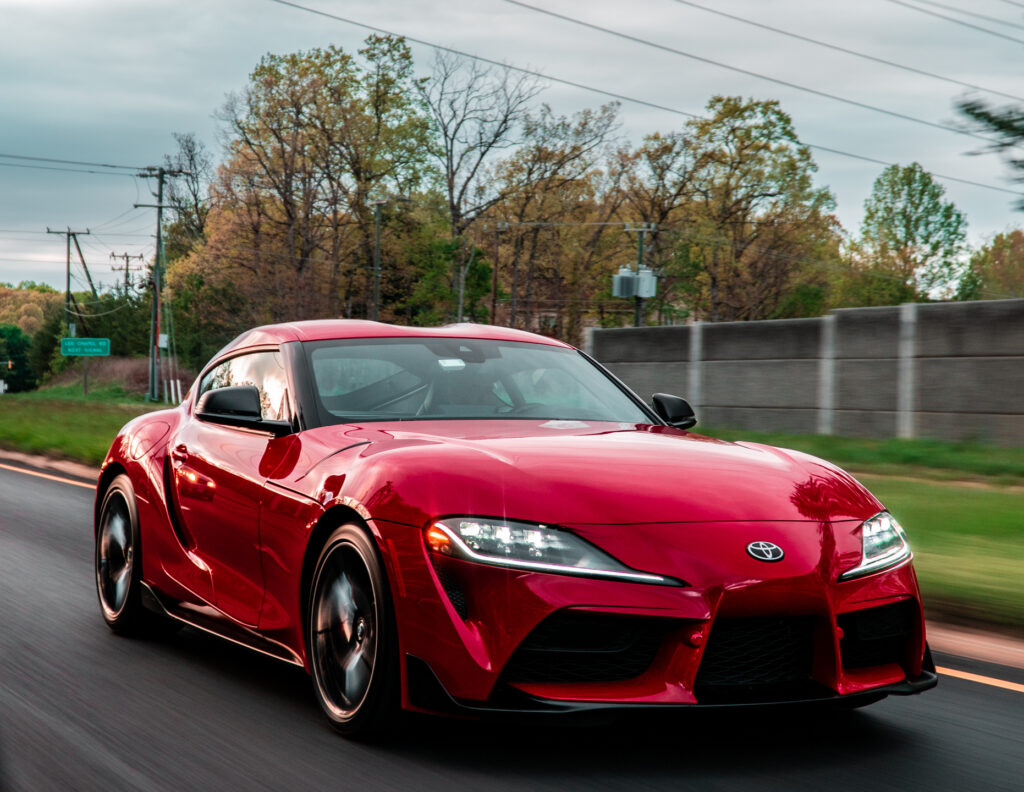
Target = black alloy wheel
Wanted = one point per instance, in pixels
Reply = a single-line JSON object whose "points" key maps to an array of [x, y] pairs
{"points": [[118, 560], [353, 652]]}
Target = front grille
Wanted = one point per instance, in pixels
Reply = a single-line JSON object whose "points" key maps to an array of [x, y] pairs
{"points": [[876, 636], [574, 646], [755, 659]]}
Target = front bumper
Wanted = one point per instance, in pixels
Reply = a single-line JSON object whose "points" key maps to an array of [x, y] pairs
{"points": [[427, 694], [463, 628]]}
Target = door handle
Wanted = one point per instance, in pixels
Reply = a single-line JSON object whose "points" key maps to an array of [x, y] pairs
{"points": [[180, 452]]}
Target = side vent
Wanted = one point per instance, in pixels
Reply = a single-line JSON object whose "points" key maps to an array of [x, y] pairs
{"points": [[173, 510]]}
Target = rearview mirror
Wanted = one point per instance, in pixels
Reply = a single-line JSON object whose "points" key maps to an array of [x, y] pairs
{"points": [[238, 406], [674, 410]]}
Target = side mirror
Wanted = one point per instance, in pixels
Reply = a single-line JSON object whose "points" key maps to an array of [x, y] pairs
{"points": [[674, 410], [238, 406]]}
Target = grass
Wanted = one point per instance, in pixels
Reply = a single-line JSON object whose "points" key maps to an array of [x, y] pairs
{"points": [[931, 459], [75, 427], [106, 394]]}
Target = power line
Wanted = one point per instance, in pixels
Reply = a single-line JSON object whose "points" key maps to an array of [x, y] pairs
{"points": [[105, 234], [68, 170], [974, 14], [113, 220], [1013, 3], [482, 59], [24, 260], [855, 53], [603, 92], [956, 21], [67, 162], [748, 72]]}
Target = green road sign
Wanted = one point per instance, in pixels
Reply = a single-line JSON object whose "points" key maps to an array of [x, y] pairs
{"points": [[85, 347]]}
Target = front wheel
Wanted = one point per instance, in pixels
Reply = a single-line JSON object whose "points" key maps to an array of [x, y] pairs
{"points": [[352, 643], [117, 560]]}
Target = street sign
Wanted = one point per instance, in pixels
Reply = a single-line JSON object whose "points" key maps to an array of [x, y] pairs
{"points": [[85, 347]]}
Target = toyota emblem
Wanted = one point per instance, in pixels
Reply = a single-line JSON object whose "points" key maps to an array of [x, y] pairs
{"points": [[765, 551]]}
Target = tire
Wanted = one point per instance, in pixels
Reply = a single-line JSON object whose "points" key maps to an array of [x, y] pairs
{"points": [[118, 560], [353, 649]]}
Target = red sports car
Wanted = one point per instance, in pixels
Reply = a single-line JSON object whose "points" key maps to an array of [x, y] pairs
{"points": [[474, 520]]}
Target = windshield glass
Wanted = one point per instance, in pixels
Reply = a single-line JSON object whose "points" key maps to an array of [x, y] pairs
{"points": [[388, 379]]}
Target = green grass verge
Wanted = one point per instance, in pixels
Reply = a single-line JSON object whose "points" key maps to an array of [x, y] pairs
{"points": [[919, 458], [103, 393], [77, 428], [968, 545]]}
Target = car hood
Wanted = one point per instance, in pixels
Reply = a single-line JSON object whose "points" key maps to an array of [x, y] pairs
{"points": [[572, 472]]}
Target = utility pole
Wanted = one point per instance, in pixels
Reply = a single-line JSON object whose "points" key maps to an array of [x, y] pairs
{"points": [[377, 204], [127, 267], [160, 174], [638, 300], [494, 273], [638, 305], [68, 234], [375, 313], [81, 257]]}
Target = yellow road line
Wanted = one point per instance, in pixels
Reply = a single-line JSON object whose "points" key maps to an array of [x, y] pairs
{"points": [[61, 479], [984, 680]]}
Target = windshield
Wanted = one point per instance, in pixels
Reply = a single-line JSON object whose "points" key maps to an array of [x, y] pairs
{"points": [[388, 379]]}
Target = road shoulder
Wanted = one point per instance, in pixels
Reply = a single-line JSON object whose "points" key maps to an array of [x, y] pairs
{"points": [[74, 470]]}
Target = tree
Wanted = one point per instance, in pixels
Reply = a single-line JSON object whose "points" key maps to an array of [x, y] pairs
{"points": [[996, 270], [1007, 123], [549, 181], [756, 215], [477, 112], [313, 138], [910, 232], [15, 368], [656, 187], [188, 195]]}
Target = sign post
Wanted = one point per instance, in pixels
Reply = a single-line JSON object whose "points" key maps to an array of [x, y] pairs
{"points": [[85, 348]]}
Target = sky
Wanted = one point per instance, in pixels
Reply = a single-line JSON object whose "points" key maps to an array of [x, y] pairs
{"points": [[110, 81]]}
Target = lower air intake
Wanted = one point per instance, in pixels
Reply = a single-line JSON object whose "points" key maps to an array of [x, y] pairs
{"points": [[573, 646], [757, 660], [877, 636]]}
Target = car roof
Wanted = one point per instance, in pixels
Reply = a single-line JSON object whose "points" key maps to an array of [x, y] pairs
{"points": [[325, 329]]}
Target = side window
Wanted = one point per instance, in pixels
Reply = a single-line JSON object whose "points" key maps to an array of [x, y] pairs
{"points": [[218, 377], [264, 370]]}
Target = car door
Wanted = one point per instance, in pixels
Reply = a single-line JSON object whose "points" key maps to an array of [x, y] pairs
{"points": [[218, 481]]}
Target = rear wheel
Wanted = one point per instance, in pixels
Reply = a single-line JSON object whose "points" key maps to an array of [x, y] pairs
{"points": [[352, 644], [118, 561]]}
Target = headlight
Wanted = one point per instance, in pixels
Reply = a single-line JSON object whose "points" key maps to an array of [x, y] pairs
{"points": [[510, 543], [883, 545]]}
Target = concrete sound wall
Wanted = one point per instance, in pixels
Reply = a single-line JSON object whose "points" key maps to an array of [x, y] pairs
{"points": [[943, 370]]}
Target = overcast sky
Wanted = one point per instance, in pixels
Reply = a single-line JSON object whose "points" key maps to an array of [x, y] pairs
{"points": [[109, 81]]}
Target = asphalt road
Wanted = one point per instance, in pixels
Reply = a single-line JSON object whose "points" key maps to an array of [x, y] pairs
{"points": [[81, 709]]}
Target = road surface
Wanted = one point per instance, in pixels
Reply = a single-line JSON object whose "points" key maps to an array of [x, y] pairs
{"points": [[81, 709]]}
